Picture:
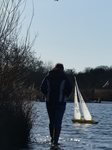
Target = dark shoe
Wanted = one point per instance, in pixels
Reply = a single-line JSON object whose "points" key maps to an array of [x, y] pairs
{"points": [[56, 143], [52, 140]]}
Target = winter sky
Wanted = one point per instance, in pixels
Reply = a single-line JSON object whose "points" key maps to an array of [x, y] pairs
{"points": [[77, 33]]}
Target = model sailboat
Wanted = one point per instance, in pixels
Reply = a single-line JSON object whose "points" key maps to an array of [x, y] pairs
{"points": [[85, 111]]}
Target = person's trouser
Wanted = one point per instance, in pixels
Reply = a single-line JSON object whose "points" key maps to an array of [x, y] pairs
{"points": [[55, 114]]}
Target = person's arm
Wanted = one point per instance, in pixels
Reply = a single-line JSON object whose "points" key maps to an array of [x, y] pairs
{"points": [[43, 86]]}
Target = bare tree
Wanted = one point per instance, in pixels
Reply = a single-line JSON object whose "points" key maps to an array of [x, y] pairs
{"points": [[16, 57]]}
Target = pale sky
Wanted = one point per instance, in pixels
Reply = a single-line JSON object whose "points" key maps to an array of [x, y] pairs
{"points": [[77, 33]]}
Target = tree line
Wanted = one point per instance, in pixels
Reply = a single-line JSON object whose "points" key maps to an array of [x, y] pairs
{"points": [[90, 81]]}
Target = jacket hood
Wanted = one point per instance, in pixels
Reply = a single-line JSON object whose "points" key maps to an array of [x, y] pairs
{"points": [[56, 72]]}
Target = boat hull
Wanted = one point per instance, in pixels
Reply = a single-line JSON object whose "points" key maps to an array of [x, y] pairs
{"points": [[84, 121]]}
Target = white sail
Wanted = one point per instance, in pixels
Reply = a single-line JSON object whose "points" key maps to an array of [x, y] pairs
{"points": [[106, 84], [85, 111], [77, 114]]}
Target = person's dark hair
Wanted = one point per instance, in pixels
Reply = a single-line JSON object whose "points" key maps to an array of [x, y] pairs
{"points": [[59, 66]]}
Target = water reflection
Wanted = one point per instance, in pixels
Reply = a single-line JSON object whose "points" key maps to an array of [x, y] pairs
{"points": [[74, 136]]}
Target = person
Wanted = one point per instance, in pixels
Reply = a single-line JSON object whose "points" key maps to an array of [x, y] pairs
{"points": [[56, 88]]}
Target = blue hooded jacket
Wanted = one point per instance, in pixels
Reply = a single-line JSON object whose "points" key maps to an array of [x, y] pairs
{"points": [[56, 87]]}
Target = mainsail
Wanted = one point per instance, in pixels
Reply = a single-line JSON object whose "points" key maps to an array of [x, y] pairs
{"points": [[85, 111], [77, 114]]}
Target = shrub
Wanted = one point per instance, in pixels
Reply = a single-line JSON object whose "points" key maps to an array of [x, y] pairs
{"points": [[16, 59]]}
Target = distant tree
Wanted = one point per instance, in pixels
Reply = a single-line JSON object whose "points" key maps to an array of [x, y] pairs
{"points": [[87, 69], [48, 66], [71, 74]]}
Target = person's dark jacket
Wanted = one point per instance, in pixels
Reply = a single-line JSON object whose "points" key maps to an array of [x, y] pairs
{"points": [[56, 87]]}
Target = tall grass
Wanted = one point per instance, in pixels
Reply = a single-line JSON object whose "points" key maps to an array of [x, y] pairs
{"points": [[15, 125], [16, 115]]}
